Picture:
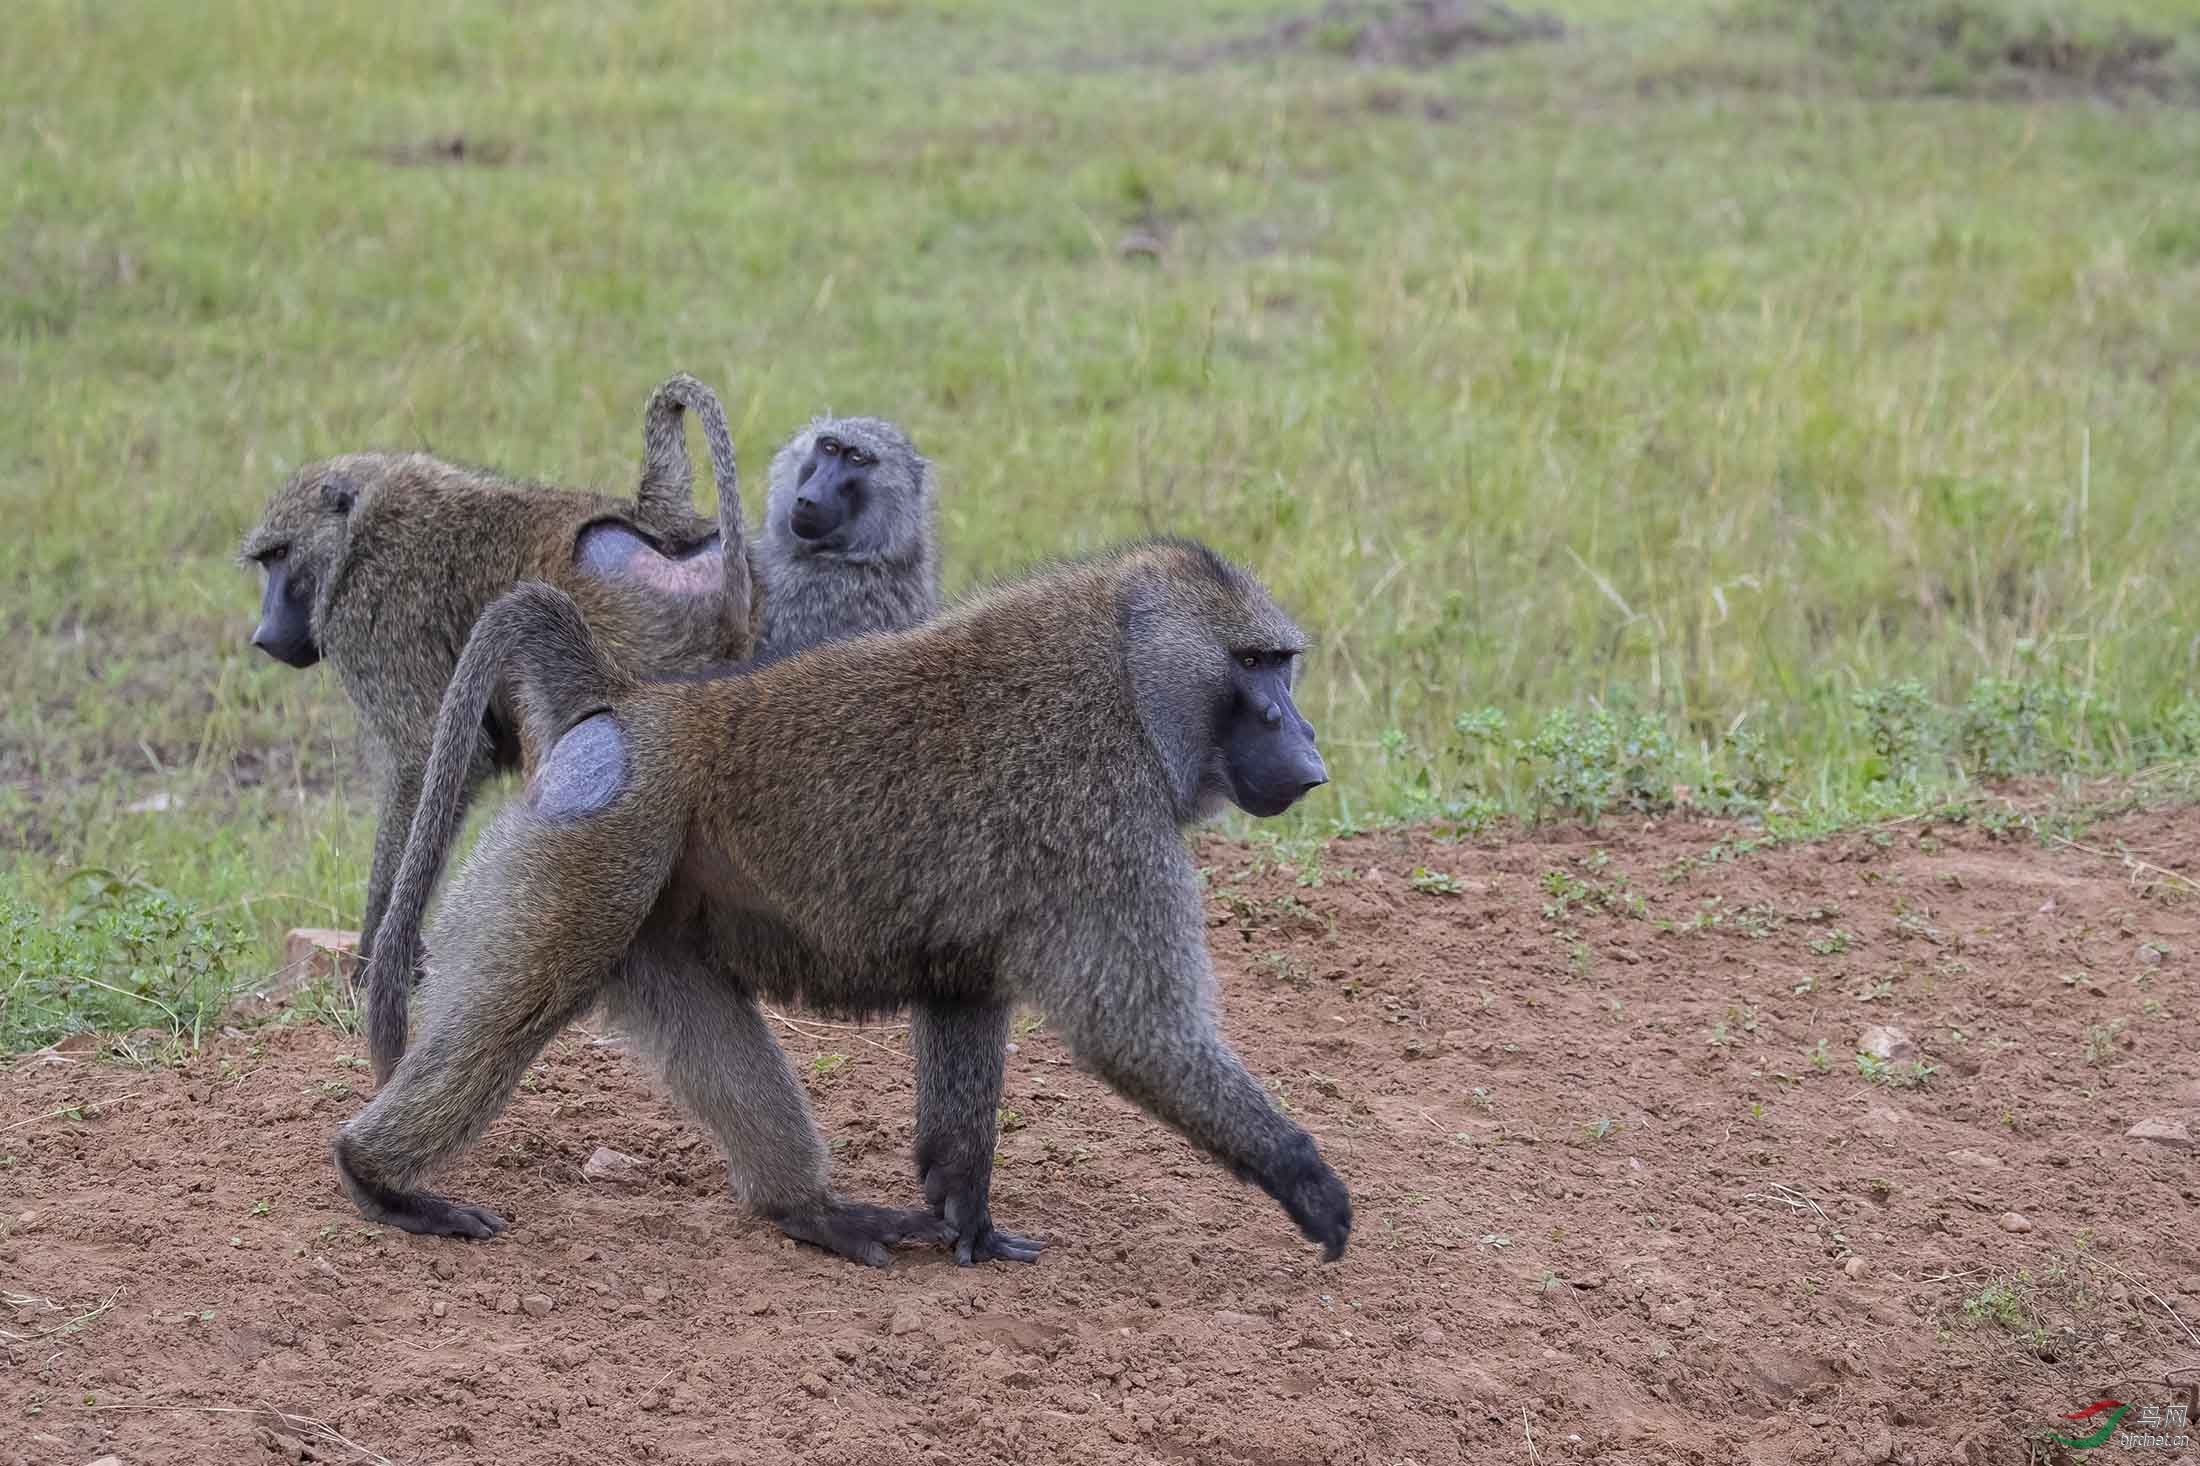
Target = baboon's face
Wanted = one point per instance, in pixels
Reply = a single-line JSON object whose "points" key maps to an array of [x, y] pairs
{"points": [[1268, 755], [296, 545], [853, 488], [1213, 662]]}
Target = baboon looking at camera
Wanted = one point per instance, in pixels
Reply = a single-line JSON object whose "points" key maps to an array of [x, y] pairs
{"points": [[984, 809], [847, 547]]}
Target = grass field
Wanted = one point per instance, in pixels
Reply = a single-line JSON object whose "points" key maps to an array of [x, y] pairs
{"points": [[1793, 402]]}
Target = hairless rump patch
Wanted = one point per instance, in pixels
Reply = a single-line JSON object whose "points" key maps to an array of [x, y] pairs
{"points": [[615, 553], [585, 770]]}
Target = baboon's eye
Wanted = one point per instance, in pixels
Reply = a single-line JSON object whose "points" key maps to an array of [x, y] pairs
{"points": [[1249, 661], [828, 446], [275, 556], [860, 458]]}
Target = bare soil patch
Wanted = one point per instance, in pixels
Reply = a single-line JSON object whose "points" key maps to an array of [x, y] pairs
{"points": [[1607, 1205], [1411, 33]]}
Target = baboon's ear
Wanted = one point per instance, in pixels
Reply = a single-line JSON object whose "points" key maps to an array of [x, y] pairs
{"points": [[337, 495]]}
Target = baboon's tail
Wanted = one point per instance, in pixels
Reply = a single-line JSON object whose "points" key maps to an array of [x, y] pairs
{"points": [[533, 640], [667, 486]]}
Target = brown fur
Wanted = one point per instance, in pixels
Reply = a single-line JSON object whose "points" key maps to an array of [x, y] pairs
{"points": [[984, 810], [398, 554]]}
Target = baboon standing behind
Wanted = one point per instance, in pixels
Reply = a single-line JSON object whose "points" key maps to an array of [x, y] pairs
{"points": [[847, 547], [382, 562]]}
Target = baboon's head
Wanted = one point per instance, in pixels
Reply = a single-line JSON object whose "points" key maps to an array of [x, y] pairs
{"points": [[851, 488], [298, 544], [1212, 661]]}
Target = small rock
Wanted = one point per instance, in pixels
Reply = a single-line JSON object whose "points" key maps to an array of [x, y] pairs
{"points": [[1855, 1267], [439, 1308], [757, 1307], [443, 1268], [1678, 1314], [2173, 1133], [615, 1167], [536, 1304], [282, 1447], [1977, 1160], [582, 1252], [2150, 955], [1225, 1319], [1885, 1043], [107, 1461], [655, 1294], [907, 1319], [159, 803], [844, 1351], [2015, 1222], [1432, 1336], [1423, 1048], [814, 1384], [314, 953]]}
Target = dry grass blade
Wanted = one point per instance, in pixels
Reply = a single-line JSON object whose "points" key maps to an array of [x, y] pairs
{"points": [[2140, 1283], [1787, 1196], [809, 1028], [320, 1430], [2138, 871]]}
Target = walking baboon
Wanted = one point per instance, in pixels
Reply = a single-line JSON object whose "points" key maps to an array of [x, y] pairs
{"points": [[985, 808], [381, 562], [847, 547]]}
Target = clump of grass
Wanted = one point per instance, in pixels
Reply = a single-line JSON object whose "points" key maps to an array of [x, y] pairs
{"points": [[121, 954]]}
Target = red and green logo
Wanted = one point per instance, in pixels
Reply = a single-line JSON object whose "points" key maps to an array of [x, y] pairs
{"points": [[2112, 1409]]}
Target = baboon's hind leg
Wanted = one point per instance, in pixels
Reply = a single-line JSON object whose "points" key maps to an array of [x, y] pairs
{"points": [[709, 1038], [510, 972]]}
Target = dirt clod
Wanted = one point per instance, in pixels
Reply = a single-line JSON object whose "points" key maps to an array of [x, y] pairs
{"points": [[2015, 1222], [1885, 1043], [614, 1167], [2173, 1133]]}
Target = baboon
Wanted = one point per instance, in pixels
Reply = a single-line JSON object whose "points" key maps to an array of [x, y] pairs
{"points": [[848, 543], [847, 547], [986, 808], [381, 562]]}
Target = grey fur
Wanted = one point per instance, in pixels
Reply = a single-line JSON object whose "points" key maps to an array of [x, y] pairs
{"points": [[884, 579]]}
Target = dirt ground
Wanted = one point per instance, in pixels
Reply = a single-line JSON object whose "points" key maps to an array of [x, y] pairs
{"points": [[1613, 1200]]}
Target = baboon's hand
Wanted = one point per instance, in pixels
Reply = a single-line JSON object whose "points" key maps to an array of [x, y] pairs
{"points": [[1313, 1195]]}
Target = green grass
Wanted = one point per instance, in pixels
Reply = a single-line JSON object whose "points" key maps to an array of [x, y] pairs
{"points": [[1716, 398]]}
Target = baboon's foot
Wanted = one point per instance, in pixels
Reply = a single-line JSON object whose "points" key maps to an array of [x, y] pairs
{"points": [[991, 1244], [414, 1211], [976, 1238], [860, 1231]]}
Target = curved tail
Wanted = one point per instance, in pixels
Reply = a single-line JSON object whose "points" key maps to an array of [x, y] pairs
{"points": [[533, 641], [667, 488]]}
